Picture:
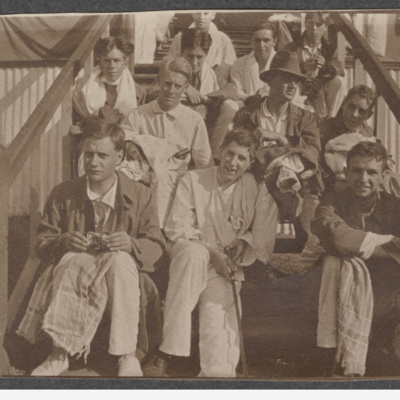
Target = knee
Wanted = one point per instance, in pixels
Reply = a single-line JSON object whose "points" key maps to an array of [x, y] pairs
{"points": [[229, 106], [189, 253], [122, 264]]}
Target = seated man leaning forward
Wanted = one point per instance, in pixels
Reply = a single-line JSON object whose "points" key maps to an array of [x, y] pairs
{"points": [[171, 135], [359, 230], [91, 271], [210, 227]]}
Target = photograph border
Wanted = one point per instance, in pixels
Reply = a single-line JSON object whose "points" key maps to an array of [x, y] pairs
{"points": [[9, 7]]}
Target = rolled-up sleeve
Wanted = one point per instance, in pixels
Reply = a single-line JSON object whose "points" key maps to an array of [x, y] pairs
{"points": [[201, 150]]}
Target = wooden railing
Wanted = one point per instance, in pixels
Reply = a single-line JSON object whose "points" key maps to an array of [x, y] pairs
{"points": [[13, 158]]}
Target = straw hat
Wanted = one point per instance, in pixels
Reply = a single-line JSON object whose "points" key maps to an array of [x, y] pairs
{"points": [[284, 61]]}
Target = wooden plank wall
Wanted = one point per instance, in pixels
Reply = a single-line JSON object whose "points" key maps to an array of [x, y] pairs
{"points": [[21, 89]]}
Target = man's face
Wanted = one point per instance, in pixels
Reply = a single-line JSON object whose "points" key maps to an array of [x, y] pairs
{"points": [[113, 64], [364, 175], [196, 58], [235, 161], [315, 28], [262, 43], [283, 86], [172, 87], [100, 159], [202, 20], [355, 111]]}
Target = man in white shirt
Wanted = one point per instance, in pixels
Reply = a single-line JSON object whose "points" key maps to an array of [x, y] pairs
{"points": [[245, 77], [245, 71], [175, 135], [211, 227]]}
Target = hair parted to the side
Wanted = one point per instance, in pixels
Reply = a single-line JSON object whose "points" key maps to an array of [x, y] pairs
{"points": [[316, 14], [95, 127], [242, 137], [178, 65], [193, 38], [104, 46], [262, 24], [373, 150], [364, 92]]}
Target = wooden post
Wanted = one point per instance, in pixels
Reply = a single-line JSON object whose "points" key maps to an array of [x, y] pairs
{"points": [[4, 192]]}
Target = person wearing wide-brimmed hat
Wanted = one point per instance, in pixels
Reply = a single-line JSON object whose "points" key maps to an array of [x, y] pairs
{"points": [[286, 130]]}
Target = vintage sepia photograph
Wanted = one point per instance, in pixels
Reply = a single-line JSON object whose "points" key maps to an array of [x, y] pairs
{"points": [[200, 195]]}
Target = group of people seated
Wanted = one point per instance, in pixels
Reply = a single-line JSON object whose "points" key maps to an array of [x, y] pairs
{"points": [[202, 172]]}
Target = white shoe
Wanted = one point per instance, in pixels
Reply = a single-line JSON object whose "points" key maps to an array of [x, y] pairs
{"points": [[55, 364], [128, 365]]}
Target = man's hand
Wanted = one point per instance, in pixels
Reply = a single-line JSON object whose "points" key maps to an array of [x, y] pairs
{"points": [[75, 241], [194, 96], [320, 61], [120, 241], [235, 250], [310, 65], [222, 263], [268, 136]]}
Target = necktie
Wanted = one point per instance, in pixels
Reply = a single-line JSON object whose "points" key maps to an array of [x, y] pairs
{"points": [[111, 94]]}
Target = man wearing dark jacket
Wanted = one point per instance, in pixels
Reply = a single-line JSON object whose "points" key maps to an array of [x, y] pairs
{"points": [[97, 233], [284, 129], [318, 61]]}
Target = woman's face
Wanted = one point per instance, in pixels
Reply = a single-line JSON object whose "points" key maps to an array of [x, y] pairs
{"points": [[195, 58]]}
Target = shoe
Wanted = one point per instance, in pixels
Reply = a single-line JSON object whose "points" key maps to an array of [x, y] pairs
{"points": [[55, 364], [128, 365], [156, 367]]}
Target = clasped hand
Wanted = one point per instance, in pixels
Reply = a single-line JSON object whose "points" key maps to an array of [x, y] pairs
{"points": [[118, 241]]}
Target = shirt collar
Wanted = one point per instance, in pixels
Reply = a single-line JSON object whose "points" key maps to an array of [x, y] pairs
{"points": [[309, 48], [115, 83], [175, 112], [108, 197]]}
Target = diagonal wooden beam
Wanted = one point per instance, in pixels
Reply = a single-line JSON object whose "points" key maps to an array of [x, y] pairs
{"points": [[29, 135], [385, 84]]}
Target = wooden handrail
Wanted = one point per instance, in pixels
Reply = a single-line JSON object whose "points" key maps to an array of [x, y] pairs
{"points": [[29, 135], [385, 84]]}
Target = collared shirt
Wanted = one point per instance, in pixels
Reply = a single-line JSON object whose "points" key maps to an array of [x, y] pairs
{"points": [[104, 206], [309, 52], [271, 122], [180, 126], [245, 75]]}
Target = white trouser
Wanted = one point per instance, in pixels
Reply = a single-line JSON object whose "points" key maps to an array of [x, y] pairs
{"points": [[226, 114], [194, 281], [123, 304], [328, 300], [334, 92]]}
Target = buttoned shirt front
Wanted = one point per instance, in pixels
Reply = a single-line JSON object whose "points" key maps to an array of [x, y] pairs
{"points": [[103, 206], [180, 126], [271, 122]]}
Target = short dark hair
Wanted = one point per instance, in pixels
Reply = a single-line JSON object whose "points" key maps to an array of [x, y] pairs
{"points": [[312, 15], [364, 92], [242, 137], [95, 127], [193, 38], [262, 24], [104, 46], [365, 149]]}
